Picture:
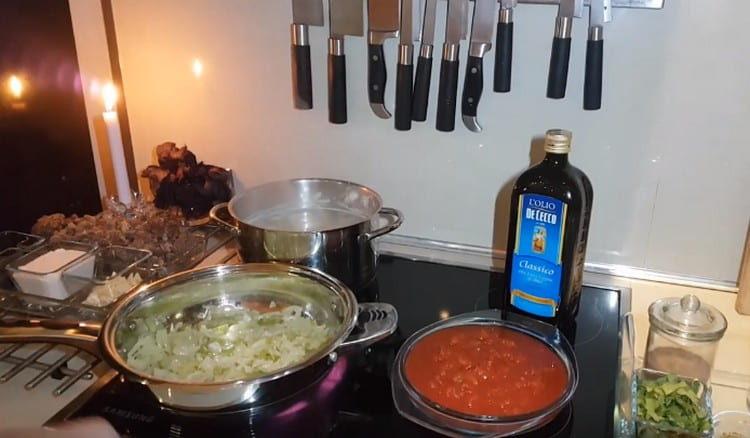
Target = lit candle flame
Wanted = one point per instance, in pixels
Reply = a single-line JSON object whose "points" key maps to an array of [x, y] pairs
{"points": [[109, 94], [197, 67], [15, 86]]}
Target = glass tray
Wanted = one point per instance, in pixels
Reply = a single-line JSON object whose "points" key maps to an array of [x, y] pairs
{"points": [[15, 301]]}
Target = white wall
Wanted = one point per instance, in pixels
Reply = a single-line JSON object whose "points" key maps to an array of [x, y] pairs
{"points": [[667, 154]]}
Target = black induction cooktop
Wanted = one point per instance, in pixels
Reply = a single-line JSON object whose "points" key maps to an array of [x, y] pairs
{"points": [[354, 398]]}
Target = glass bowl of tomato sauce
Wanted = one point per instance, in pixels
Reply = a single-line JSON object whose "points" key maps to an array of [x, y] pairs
{"points": [[481, 373]]}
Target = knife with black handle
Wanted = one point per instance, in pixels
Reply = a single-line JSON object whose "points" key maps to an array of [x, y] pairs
{"points": [[305, 13], [504, 47], [455, 31], [404, 80], [482, 25], [382, 23], [376, 78], [337, 112], [600, 12], [423, 77], [346, 18], [405, 69], [302, 76], [557, 79]]}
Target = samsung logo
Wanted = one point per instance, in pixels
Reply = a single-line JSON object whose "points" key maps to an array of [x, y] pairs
{"points": [[525, 264], [128, 415], [546, 205]]}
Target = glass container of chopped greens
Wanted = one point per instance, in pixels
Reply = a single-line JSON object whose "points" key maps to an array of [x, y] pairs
{"points": [[671, 406]]}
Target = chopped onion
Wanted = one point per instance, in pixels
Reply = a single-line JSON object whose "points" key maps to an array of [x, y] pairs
{"points": [[228, 344]]}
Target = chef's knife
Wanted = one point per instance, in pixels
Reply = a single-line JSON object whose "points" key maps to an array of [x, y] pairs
{"points": [[405, 69], [455, 31], [560, 56], [345, 18], [305, 13], [504, 46], [382, 23], [600, 12], [424, 62], [482, 25]]}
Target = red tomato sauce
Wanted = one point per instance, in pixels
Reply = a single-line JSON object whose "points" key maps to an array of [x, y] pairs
{"points": [[486, 370]]}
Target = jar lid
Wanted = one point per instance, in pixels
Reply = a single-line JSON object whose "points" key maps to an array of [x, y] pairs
{"points": [[687, 318]]}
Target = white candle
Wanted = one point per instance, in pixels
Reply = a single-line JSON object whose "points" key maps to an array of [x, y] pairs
{"points": [[114, 138]]}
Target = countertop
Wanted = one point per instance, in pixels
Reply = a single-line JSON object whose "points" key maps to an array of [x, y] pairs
{"points": [[731, 376]]}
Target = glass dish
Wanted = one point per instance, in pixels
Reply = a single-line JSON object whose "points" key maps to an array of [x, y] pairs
{"points": [[647, 429], [110, 262], [413, 406], [14, 244], [624, 421], [111, 278], [21, 241], [197, 244], [50, 283], [732, 424]]}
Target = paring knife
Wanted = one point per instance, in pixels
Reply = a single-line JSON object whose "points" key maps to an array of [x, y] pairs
{"points": [[382, 23], [455, 31], [482, 25], [504, 46], [345, 18], [421, 93], [305, 13], [405, 69], [600, 12], [557, 80]]}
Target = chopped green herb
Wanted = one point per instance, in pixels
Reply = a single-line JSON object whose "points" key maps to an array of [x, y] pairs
{"points": [[672, 402]]}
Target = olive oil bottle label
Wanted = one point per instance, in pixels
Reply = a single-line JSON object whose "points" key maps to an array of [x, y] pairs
{"points": [[535, 282]]}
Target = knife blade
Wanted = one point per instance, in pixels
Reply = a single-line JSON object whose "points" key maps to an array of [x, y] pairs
{"points": [[424, 62], [455, 31], [305, 13], [382, 23], [600, 12], [504, 46], [405, 68], [482, 25], [345, 18], [557, 80]]}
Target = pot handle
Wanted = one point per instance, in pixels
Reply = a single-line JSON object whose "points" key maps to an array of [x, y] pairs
{"points": [[219, 210], [394, 219], [375, 321], [80, 334]]}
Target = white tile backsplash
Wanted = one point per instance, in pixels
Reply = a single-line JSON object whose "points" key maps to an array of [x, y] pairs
{"points": [[667, 154]]}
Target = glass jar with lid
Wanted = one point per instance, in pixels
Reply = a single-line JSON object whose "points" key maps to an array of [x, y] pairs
{"points": [[683, 336]]}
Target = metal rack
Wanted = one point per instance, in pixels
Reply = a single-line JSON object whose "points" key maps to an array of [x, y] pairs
{"points": [[58, 369]]}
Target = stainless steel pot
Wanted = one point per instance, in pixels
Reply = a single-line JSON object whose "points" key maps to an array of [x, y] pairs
{"points": [[182, 297], [325, 224]]}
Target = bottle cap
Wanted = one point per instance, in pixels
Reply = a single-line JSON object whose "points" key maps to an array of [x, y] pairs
{"points": [[557, 141]]}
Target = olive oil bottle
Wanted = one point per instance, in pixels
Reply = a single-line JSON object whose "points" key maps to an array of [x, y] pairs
{"points": [[547, 236]]}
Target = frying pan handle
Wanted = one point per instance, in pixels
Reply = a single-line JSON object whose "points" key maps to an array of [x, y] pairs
{"points": [[90, 327], [80, 334], [394, 220], [375, 321], [218, 212]]}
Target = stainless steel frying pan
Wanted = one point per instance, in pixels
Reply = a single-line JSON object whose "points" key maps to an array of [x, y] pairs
{"points": [[183, 296]]}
